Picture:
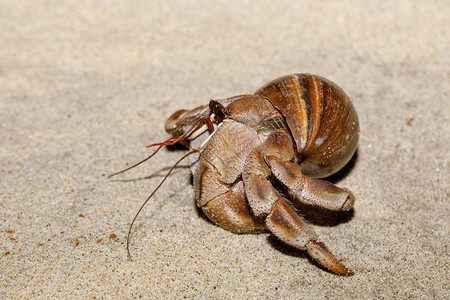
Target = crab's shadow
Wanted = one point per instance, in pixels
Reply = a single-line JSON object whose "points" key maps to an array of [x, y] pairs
{"points": [[345, 171]]}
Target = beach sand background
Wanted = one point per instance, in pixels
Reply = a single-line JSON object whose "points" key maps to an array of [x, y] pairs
{"points": [[85, 85]]}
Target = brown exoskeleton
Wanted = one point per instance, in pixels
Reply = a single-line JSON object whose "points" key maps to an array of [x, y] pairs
{"points": [[294, 130]]}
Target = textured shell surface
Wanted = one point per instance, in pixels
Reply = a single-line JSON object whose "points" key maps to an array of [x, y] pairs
{"points": [[321, 118]]}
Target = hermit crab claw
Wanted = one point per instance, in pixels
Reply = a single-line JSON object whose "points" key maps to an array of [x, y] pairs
{"points": [[319, 252]]}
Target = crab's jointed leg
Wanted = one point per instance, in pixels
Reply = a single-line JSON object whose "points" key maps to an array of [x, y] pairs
{"points": [[316, 191], [266, 202]]}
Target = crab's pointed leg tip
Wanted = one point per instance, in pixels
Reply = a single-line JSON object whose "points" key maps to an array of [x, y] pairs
{"points": [[323, 256]]}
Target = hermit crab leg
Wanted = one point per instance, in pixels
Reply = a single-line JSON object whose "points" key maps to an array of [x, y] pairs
{"points": [[265, 201], [316, 191]]}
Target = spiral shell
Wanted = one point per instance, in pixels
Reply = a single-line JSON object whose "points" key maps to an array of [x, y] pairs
{"points": [[321, 118]]}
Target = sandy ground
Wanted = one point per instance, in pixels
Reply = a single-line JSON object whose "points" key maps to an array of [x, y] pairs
{"points": [[85, 85]]}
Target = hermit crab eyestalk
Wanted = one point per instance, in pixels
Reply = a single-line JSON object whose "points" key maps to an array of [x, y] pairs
{"points": [[219, 111]]}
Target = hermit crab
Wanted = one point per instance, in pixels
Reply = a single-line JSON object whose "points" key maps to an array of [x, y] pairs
{"points": [[290, 132]]}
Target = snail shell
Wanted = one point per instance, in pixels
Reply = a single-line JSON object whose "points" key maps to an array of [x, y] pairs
{"points": [[321, 118]]}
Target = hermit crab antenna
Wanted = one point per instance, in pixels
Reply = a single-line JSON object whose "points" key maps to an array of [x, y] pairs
{"points": [[151, 195], [198, 128], [136, 164]]}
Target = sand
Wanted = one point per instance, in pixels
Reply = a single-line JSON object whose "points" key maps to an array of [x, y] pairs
{"points": [[85, 85]]}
